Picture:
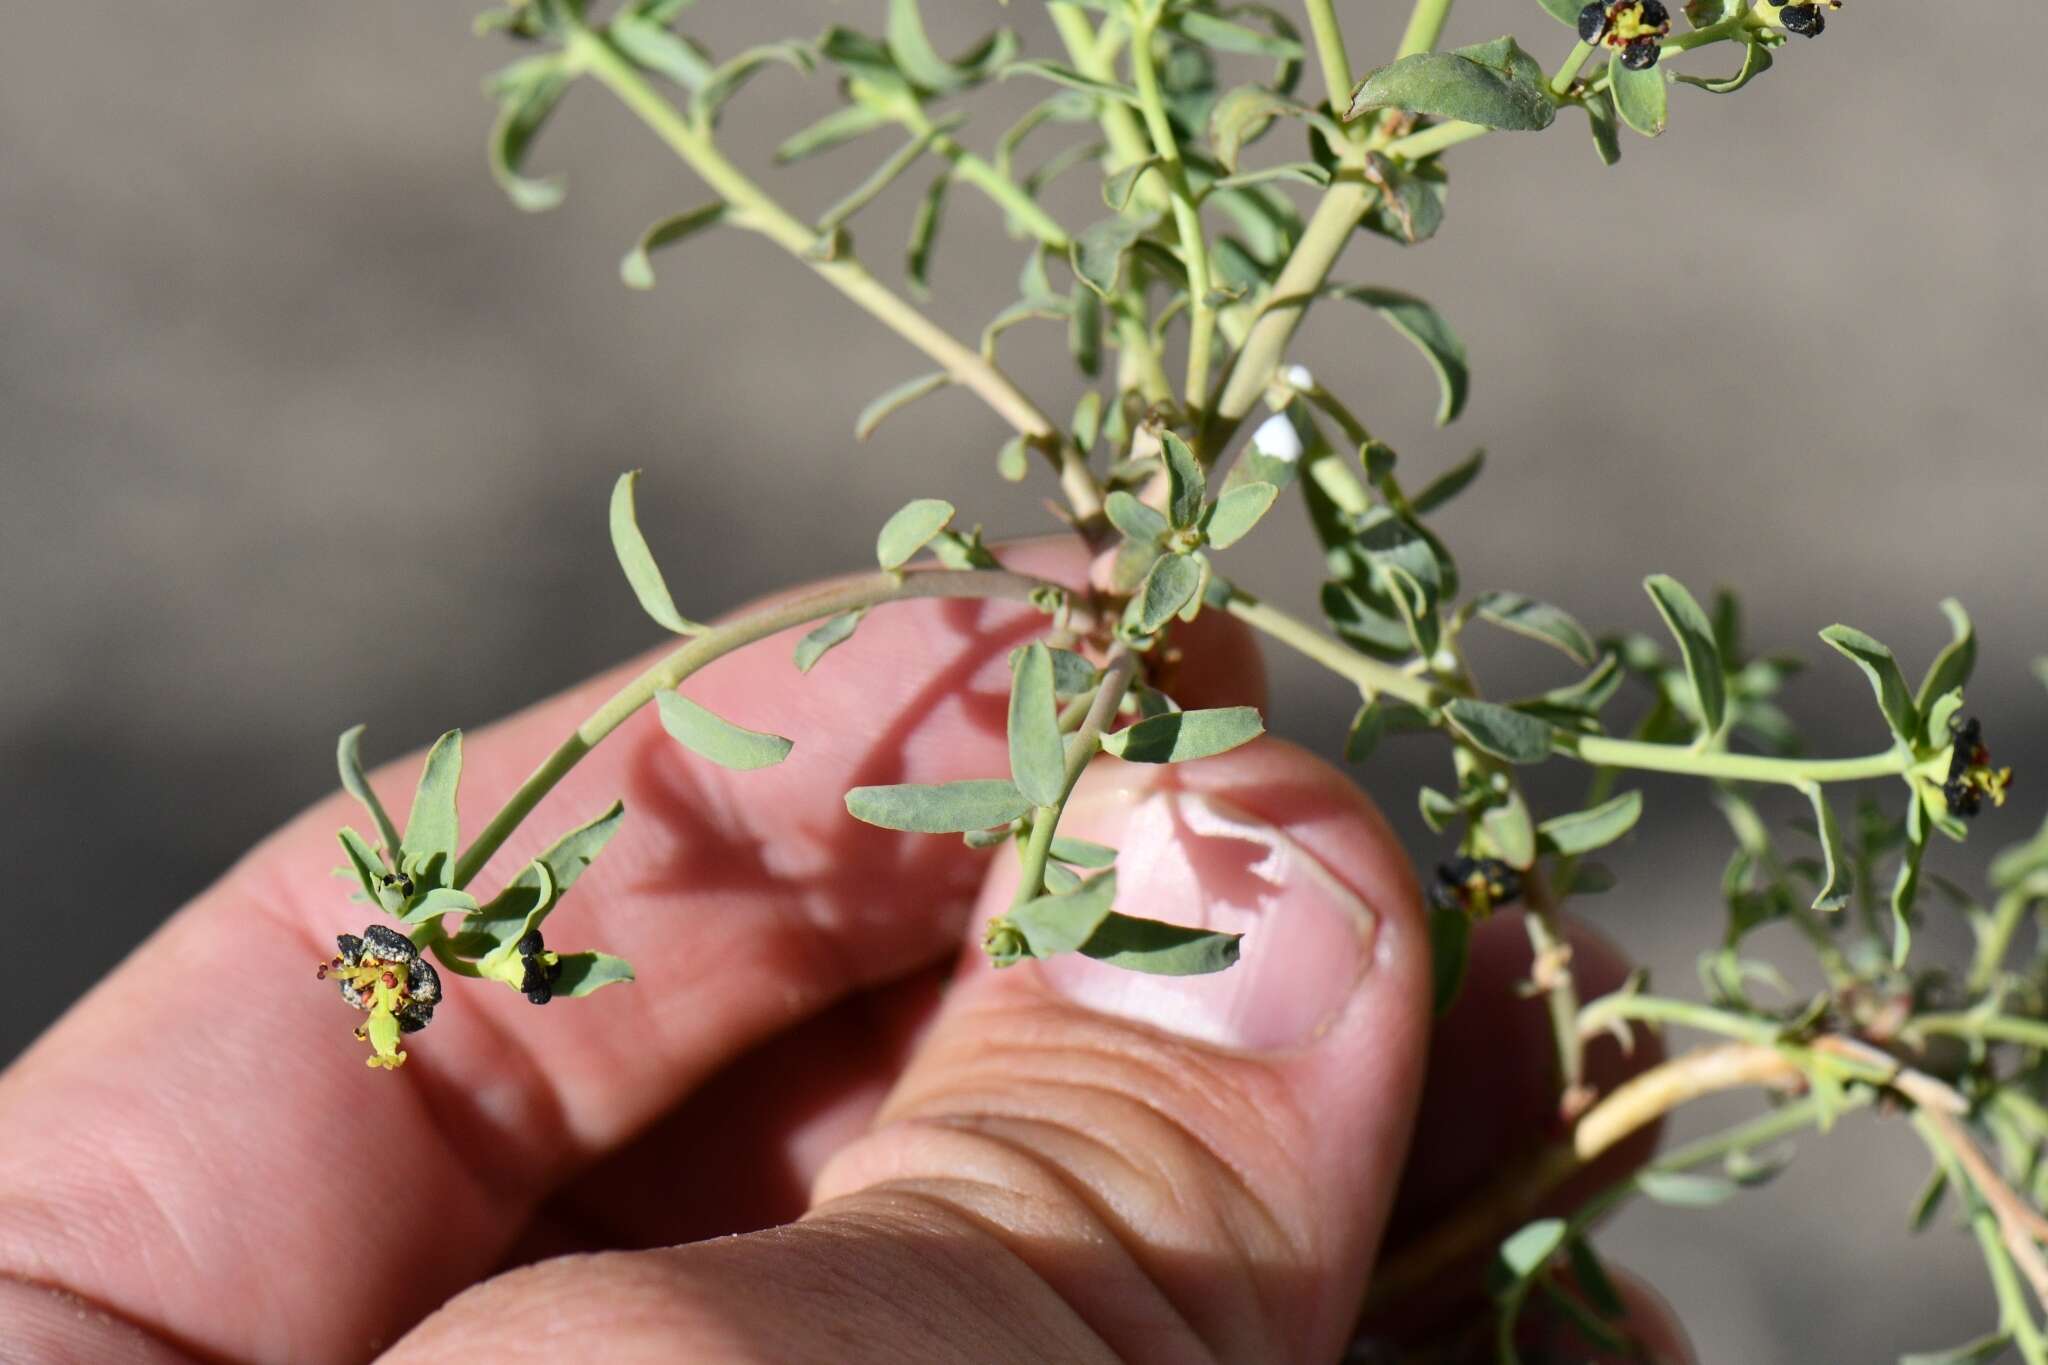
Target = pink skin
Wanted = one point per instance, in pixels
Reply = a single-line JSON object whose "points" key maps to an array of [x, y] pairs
{"points": [[151, 1158]]}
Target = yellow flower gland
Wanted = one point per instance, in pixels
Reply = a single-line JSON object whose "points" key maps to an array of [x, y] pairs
{"points": [[1626, 23], [383, 985]]}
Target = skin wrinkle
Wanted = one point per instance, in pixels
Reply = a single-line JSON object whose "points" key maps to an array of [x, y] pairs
{"points": [[72, 1302]]}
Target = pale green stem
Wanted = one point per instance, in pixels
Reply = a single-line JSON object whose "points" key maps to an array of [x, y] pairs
{"points": [[1336, 63], [2015, 1314], [1187, 219], [1425, 25], [1372, 677], [1684, 758], [1007, 193], [1430, 141], [1997, 940], [1117, 676], [1652, 1009], [1574, 62], [1992, 1028], [967, 367], [853, 595], [1560, 993], [1126, 135]]}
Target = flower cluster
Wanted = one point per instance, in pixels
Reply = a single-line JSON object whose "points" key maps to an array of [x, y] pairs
{"points": [[383, 974], [1634, 28], [1807, 20], [1971, 777], [1477, 886]]}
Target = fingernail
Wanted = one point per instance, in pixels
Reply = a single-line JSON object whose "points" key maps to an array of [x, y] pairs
{"points": [[1194, 860]]}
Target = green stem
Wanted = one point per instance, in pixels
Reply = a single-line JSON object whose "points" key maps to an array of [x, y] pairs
{"points": [[1336, 63], [1372, 677], [1574, 62], [1684, 758], [1430, 141], [1187, 219], [1006, 193], [592, 53], [1991, 1028], [1425, 27], [2015, 1315], [853, 595], [1561, 994], [1997, 939], [1117, 676], [1654, 1009]]}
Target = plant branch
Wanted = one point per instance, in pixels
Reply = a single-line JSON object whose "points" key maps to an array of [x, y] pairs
{"points": [[1685, 758], [757, 210], [852, 595], [1187, 218], [1117, 675], [1372, 677], [1996, 941], [1329, 38]]}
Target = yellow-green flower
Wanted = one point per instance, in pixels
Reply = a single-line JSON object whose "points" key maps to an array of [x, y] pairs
{"points": [[383, 974], [526, 965]]}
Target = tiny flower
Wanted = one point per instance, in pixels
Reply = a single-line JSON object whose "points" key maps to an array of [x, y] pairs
{"points": [[383, 974], [525, 965], [1971, 777], [1806, 20], [1634, 28], [1478, 886]]}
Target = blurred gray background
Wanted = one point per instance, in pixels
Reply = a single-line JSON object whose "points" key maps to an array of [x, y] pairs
{"points": [[305, 425]]}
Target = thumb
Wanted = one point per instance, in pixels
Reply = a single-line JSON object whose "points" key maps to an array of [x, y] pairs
{"points": [[1183, 1167]]}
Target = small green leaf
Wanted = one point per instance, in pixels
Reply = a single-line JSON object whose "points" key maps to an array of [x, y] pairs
{"points": [[841, 125], [1071, 674], [1038, 756], [1073, 80], [1300, 172], [636, 270], [1905, 890], [1424, 326], [712, 736], [1084, 328], [918, 59], [725, 81], [1087, 422], [1506, 734], [1138, 521], [1951, 668], [1117, 189], [1507, 832], [1695, 635], [1685, 1190], [1236, 512], [1450, 940], [1185, 735], [1495, 85], [348, 757], [1169, 586], [1220, 34], [1886, 681], [1529, 1250], [910, 530], [1538, 621], [1834, 892], [1240, 116], [1564, 11], [1448, 485], [1160, 949], [655, 48], [1438, 810], [883, 176], [1585, 830], [1601, 117], [1592, 1279], [823, 637], [1640, 97], [442, 900], [583, 973], [1081, 853], [528, 94], [368, 867], [1062, 924], [1756, 59], [924, 232], [638, 561], [902, 395], [1187, 487], [431, 827], [1097, 253], [1013, 461], [947, 808]]}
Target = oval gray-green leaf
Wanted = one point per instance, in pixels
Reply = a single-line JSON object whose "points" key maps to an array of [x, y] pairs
{"points": [[1038, 756], [638, 561], [1685, 1189], [1061, 924], [1585, 830], [821, 638], [583, 973], [1138, 521], [904, 394], [529, 93], [1183, 736], [1169, 585], [1641, 97], [1529, 1249], [910, 530], [1756, 59], [348, 758], [1695, 636], [1423, 325], [431, 827], [1073, 80], [945, 808], [1886, 681], [636, 271], [1495, 85], [1081, 853], [1237, 511], [1187, 487], [1158, 948], [1538, 621], [1599, 107], [1097, 253], [1497, 730], [712, 736], [1951, 668]]}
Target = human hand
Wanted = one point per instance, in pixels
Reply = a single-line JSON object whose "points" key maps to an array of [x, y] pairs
{"points": [[1056, 1162]]}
